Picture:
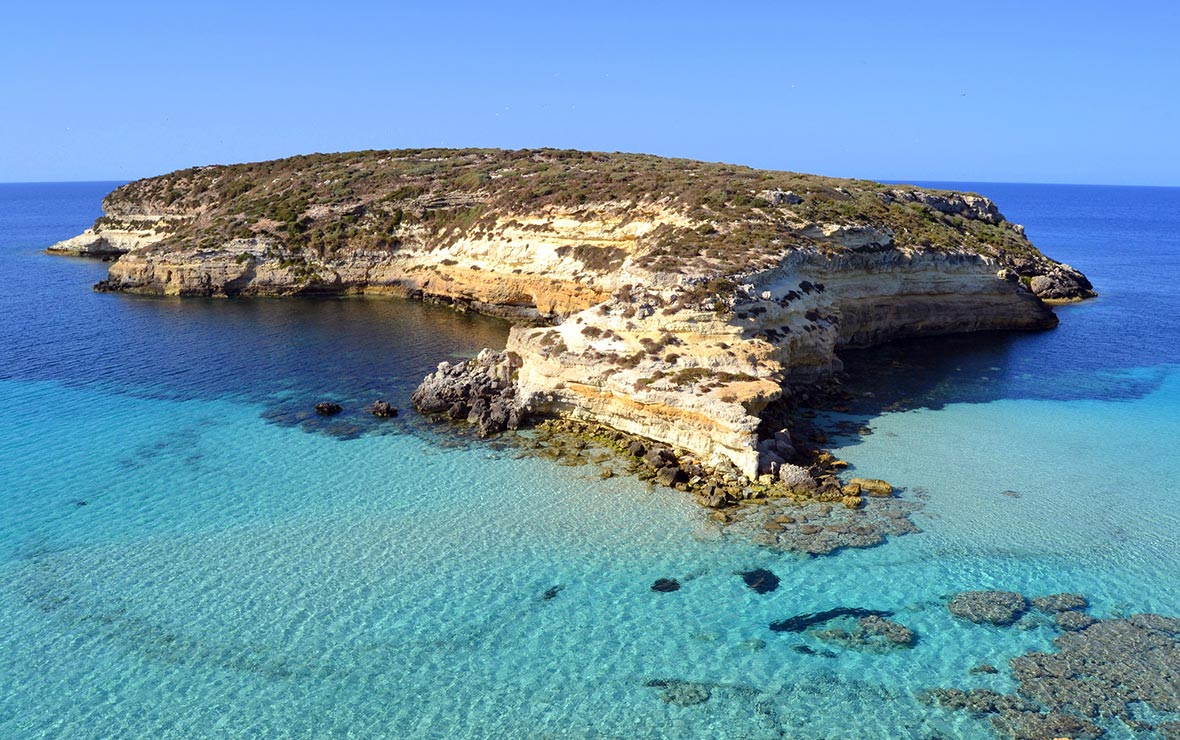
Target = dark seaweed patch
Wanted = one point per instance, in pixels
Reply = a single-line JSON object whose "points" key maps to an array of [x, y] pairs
{"points": [[801, 622], [761, 580]]}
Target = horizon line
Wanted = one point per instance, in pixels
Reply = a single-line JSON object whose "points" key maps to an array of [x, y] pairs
{"points": [[885, 180]]}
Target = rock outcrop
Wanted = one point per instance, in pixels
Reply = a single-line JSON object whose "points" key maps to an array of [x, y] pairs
{"points": [[480, 391], [670, 299]]}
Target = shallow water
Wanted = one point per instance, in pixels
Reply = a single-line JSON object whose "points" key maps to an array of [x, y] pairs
{"points": [[242, 568]]}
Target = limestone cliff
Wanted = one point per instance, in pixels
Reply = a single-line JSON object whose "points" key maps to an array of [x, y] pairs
{"points": [[678, 297]]}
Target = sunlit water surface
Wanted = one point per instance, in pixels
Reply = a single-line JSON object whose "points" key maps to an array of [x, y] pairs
{"points": [[187, 552]]}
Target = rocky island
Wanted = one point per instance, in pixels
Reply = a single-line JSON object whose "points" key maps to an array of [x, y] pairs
{"points": [[675, 300]]}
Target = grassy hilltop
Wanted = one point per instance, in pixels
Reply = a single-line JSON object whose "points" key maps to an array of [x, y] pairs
{"points": [[322, 206]]}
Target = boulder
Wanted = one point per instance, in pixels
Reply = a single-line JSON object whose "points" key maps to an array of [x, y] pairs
{"points": [[670, 475], [328, 408], [712, 499], [1061, 283], [779, 197], [658, 457], [770, 462], [874, 487], [796, 478], [382, 410]]}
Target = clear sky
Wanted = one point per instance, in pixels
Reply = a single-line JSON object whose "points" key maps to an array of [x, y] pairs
{"points": [[1029, 91]]}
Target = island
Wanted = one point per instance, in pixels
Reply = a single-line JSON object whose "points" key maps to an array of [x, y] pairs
{"points": [[677, 302]]}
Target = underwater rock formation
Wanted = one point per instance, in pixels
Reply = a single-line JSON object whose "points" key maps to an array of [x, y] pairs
{"points": [[1000, 608]]}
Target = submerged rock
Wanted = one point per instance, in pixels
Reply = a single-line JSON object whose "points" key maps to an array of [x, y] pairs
{"points": [[819, 528], [808, 650], [873, 634], [887, 630], [1104, 668], [681, 693], [1001, 608], [1113, 668], [1054, 603], [552, 592], [978, 701], [1072, 621], [760, 580], [665, 585], [1042, 726]]}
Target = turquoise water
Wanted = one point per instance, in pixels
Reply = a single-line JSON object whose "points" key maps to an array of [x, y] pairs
{"points": [[241, 568]]}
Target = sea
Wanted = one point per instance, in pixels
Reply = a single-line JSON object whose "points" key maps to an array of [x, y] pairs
{"points": [[188, 551]]}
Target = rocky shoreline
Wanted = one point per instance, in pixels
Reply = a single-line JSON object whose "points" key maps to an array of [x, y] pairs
{"points": [[800, 505], [677, 301]]}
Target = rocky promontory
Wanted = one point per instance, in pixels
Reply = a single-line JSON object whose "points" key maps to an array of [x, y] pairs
{"points": [[669, 299]]}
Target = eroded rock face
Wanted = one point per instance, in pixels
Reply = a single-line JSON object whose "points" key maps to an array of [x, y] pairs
{"points": [[1001, 608]]}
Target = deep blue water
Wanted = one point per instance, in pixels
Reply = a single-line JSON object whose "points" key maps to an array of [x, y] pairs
{"points": [[241, 568]]}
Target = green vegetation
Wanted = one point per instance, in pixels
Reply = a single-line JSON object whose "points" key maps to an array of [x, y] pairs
{"points": [[318, 206]]}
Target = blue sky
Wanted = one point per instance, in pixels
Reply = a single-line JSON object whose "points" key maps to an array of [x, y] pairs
{"points": [[1032, 91]]}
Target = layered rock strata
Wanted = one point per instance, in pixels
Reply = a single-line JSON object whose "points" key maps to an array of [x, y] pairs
{"points": [[676, 299]]}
